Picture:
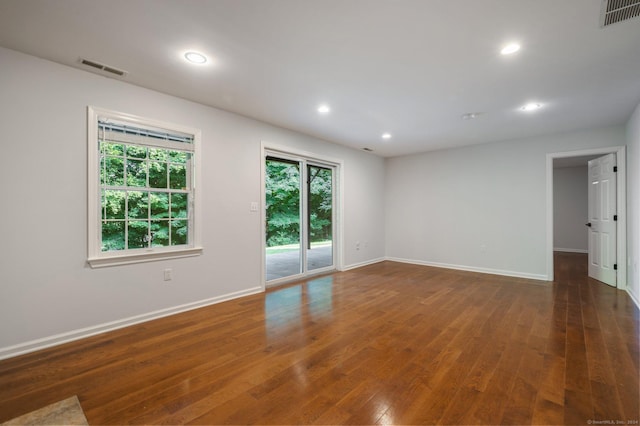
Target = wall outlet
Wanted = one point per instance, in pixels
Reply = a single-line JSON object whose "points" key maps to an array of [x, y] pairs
{"points": [[168, 274], [253, 206], [357, 245]]}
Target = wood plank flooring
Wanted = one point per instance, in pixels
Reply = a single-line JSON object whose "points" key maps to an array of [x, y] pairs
{"points": [[388, 343]]}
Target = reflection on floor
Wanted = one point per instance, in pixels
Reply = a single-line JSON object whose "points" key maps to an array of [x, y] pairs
{"points": [[285, 264], [285, 307]]}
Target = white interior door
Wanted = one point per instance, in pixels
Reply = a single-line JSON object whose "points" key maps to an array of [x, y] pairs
{"points": [[602, 219]]}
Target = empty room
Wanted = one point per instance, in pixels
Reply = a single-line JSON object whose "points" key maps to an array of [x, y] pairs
{"points": [[320, 212]]}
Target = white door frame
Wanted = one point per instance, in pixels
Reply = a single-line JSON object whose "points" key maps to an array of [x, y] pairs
{"points": [[287, 152], [621, 195]]}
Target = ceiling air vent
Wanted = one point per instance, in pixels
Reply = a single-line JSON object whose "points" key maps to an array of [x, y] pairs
{"points": [[102, 67], [614, 11]]}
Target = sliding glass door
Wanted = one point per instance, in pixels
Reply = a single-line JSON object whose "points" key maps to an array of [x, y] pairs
{"points": [[319, 217], [299, 222], [283, 221]]}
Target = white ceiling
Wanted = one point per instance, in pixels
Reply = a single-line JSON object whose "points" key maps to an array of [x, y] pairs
{"points": [[407, 67]]}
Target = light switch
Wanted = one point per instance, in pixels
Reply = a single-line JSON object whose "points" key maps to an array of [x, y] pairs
{"points": [[254, 206]]}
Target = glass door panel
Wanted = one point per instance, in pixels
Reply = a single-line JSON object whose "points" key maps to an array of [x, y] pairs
{"points": [[283, 224], [319, 217]]}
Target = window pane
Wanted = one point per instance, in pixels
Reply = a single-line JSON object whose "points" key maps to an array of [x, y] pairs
{"points": [[114, 149], [136, 151], [112, 236], [136, 173], [138, 234], [179, 232], [157, 174], [160, 232], [159, 204], [179, 156], [138, 205], [177, 176], [112, 171], [178, 206], [113, 203], [158, 154]]}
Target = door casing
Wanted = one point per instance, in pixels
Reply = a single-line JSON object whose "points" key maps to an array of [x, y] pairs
{"points": [[621, 194]]}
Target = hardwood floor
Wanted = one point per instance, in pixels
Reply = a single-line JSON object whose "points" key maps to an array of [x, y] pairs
{"points": [[388, 343]]}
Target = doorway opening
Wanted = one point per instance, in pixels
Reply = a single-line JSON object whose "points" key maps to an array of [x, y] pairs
{"points": [[300, 216], [587, 242]]}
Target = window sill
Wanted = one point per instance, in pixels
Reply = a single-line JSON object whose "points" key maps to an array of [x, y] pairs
{"points": [[128, 259]]}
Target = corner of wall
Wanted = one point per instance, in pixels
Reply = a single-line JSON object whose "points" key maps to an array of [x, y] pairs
{"points": [[633, 205]]}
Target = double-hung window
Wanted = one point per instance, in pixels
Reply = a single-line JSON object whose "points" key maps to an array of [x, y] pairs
{"points": [[142, 195]]}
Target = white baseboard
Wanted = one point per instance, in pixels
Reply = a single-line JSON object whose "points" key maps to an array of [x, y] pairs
{"points": [[570, 250], [361, 264], [540, 277], [58, 339], [634, 298]]}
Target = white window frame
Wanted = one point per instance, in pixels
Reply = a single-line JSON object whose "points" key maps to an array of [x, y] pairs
{"points": [[98, 258]]}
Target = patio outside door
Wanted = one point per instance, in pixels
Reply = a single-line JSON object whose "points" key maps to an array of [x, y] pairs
{"points": [[299, 229]]}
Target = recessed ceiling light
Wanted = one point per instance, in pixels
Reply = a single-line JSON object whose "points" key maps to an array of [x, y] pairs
{"points": [[471, 115], [510, 48], [195, 57], [532, 106], [324, 109], [386, 136]]}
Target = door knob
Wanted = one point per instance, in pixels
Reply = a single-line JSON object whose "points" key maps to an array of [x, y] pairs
{"points": [[588, 224]]}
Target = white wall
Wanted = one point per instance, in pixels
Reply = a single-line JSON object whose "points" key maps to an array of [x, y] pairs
{"points": [[481, 207], [46, 286], [633, 205], [570, 204]]}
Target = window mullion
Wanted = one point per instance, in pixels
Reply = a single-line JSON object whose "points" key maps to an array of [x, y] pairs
{"points": [[170, 218], [190, 196], [147, 166], [125, 182], [126, 220], [149, 237]]}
